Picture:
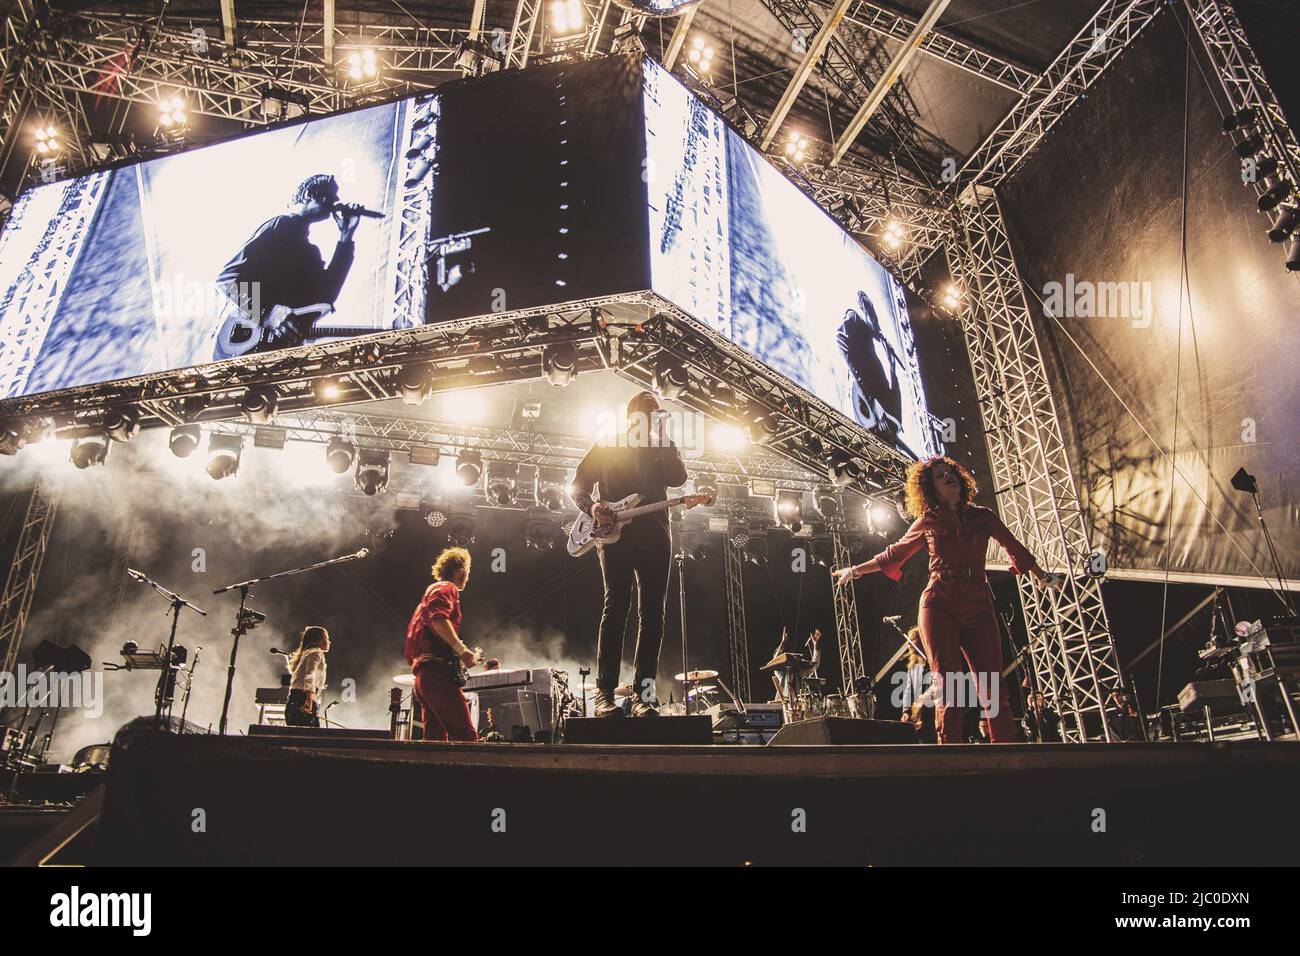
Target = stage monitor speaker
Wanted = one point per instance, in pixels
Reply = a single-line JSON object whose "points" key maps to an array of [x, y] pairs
{"points": [[844, 730], [697, 729]]}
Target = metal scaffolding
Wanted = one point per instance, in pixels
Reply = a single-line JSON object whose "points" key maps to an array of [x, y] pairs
{"points": [[24, 571], [848, 632], [733, 574]]}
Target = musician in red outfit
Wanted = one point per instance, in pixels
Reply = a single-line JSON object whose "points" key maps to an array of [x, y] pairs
{"points": [[436, 653], [957, 621]]}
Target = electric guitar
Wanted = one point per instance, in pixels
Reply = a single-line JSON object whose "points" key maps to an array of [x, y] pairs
{"points": [[240, 333], [585, 535]]}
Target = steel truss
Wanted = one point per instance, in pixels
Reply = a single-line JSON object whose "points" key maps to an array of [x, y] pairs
{"points": [[733, 574], [1246, 87], [848, 632], [24, 571], [1071, 648]]}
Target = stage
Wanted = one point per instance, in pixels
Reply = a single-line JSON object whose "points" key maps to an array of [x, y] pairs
{"points": [[207, 800]]}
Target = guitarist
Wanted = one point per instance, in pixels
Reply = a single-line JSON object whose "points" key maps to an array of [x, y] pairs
{"points": [[436, 653], [280, 265], [644, 462]]}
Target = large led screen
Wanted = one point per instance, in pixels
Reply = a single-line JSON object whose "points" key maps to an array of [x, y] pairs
{"points": [[744, 251], [512, 192]]}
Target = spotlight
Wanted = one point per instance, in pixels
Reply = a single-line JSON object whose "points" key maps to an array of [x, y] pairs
{"points": [[436, 519], [47, 140], [1276, 191], [700, 55], [184, 439], [796, 147], [502, 482], [1293, 255], [223, 455], [362, 66], [568, 18], [720, 395], [560, 363], [1283, 224], [91, 450], [876, 516], [541, 530], [469, 466], [1249, 146], [259, 404], [339, 455], [1238, 119], [172, 114], [761, 426], [826, 500], [327, 389], [414, 381], [372, 471], [671, 380], [789, 510], [842, 469], [952, 298], [894, 234], [122, 424], [460, 531], [11, 438], [551, 488]]}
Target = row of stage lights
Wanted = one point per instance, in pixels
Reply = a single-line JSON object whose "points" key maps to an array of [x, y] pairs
{"points": [[1258, 164]]}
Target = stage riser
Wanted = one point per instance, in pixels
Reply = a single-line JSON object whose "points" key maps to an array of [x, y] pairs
{"points": [[381, 810]]}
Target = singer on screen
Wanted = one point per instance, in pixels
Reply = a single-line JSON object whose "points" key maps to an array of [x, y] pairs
{"points": [[278, 284]]}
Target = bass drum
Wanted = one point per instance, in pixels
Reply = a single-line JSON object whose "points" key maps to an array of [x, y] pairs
{"points": [[836, 706], [861, 705]]}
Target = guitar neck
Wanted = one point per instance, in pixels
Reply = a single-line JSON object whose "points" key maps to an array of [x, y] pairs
{"points": [[646, 509]]}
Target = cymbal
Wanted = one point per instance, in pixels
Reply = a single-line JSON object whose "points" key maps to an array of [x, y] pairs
{"points": [[696, 677], [706, 689], [404, 680], [782, 661]]}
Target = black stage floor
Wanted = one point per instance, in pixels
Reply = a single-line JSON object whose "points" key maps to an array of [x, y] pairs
{"points": [[209, 800]]}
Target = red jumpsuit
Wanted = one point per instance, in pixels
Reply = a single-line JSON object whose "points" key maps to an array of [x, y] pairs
{"points": [[958, 625], [446, 711]]}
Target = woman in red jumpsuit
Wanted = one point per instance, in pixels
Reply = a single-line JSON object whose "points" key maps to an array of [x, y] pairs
{"points": [[956, 613]]}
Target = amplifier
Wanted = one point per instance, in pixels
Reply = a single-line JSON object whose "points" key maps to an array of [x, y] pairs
{"points": [[1208, 693], [755, 717], [522, 701]]}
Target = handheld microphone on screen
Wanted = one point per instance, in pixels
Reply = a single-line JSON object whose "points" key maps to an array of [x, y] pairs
{"points": [[356, 209]]}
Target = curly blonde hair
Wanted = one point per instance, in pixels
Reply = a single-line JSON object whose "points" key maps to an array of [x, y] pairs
{"points": [[450, 563], [919, 487]]}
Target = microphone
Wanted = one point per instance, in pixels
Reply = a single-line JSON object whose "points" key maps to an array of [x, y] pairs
{"points": [[134, 575], [362, 553], [356, 209], [892, 619]]}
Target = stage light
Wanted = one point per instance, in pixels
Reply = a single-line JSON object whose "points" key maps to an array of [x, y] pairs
{"points": [[327, 389], [223, 455], [762, 426], [568, 18], [796, 147], [172, 114], [502, 483], [372, 471], [460, 531], [184, 439], [789, 510], [47, 140], [826, 500], [1283, 224], [469, 466], [728, 438], [756, 549], [1293, 255], [1276, 190], [552, 488], [707, 484], [559, 362], [823, 552], [339, 455], [952, 297], [700, 55], [414, 382], [362, 66], [876, 517], [719, 394], [89, 450], [671, 380], [436, 518], [842, 470], [259, 404], [894, 234], [541, 530], [122, 424], [1238, 119]]}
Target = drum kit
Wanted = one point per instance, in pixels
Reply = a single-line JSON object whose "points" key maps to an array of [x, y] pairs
{"points": [[803, 694]]}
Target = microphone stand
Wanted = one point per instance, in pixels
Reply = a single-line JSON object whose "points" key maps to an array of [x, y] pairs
{"points": [[246, 618], [189, 686], [680, 559], [166, 685]]}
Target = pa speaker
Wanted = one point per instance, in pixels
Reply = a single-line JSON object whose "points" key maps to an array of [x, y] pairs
{"points": [[844, 730], [639, 730]]}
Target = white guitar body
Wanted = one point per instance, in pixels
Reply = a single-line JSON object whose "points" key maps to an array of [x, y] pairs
{"points": [[584, 535]]}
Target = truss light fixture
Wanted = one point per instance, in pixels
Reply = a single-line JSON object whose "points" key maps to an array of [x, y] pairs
{"points": [[184, 439], [223, 455], [796, 147], [469, 466], [89, 450], [894, 235], [789, 509], [172, 114], [339, 455], [48, 142], [700, 54], [560, 363], [1284, 224], [122, 424], [414, 380], [259, 403], [842, 470], [568, 19], [952, 297], [503, 483], [362, 66], [671, 380], [372, 471]]}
